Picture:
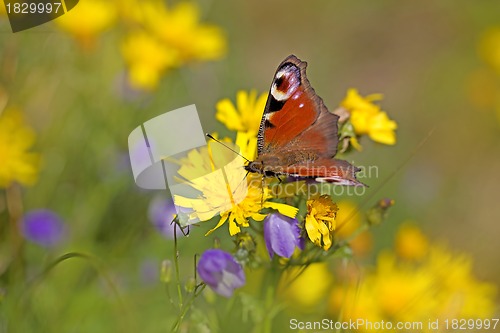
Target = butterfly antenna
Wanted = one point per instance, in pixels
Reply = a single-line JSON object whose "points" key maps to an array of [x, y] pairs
{"points": [[386, 180], [231, 149]]}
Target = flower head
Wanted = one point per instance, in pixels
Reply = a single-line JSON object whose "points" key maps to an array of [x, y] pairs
{"points": [[147, 58], [411, 243], [245, 116], [306, 287], [320, 221], [43, 227], [439, 285], [16, 139], [368, 118], [223, 188], [489, 48], [282, 235], [88, 19], [221, 272], [166, 38], [350, 224], [180, 27]]}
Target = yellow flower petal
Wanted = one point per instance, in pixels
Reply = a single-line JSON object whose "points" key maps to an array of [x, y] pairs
{"points": [[382, 129], [284, 209], [368, 118], [320, 221], [223, 219], [247, 113], [88, 19], [16, 139], [228, 115]]}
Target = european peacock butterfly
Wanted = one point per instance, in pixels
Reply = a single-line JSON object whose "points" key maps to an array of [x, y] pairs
{"points": [[297, 134]]}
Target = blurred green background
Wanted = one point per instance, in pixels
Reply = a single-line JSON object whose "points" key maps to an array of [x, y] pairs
{"points": [[431, 60]]}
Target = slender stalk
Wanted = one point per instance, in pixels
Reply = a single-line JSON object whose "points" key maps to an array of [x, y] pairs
{"points": [[176, 262], [15, 210], [184, 310]]}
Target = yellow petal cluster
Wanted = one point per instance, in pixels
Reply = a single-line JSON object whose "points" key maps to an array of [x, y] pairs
{"points": [[411, 243], [245, 116], [440, 285], [168, 37], [368, 119], [320, 221], [225, 195], [349, 218], [147, 59], [88, 19], [489, 48], [304, 288], [17, 163]]}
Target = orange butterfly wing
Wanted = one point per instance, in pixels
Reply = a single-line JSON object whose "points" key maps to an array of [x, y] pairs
{"points": [[295, 118]]}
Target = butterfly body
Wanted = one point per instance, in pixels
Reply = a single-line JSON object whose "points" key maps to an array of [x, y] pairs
{"points": [[297, 134]]}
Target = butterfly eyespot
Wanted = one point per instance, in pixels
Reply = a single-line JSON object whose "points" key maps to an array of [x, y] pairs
{"points": [[286, 82], [279, 83]]}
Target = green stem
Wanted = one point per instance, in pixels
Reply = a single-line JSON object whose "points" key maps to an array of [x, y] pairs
{"points": [[185, 309], [176, 262]]}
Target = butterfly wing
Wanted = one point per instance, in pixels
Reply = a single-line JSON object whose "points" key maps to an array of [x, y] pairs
{"points": [[328, 170], [295, 117]]}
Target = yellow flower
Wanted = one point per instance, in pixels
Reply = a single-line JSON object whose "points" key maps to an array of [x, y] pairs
{"points": [[180, 28], [462, 295], [349, 218], [147, 59], [439, 286], [16, 139], [411, 243], [489, 48], [320, 221], [165, 38], [247, 142], [305, 288], [247, 113], [354, 101], [87, 19], [368, 118], [218, 177]]}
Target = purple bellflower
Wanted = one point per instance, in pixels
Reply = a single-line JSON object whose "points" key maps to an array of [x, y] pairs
{"points": [[282, 235], [43, 227], [221, 272]]}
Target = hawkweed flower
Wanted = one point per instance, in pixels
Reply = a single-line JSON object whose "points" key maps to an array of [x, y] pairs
{"points": [[147, 58], [87, 20], [161, 213], [282, 235], [439, 285], [351, 228], [221, 272], [236, 197], [236, 212], [305, 288], [17, 164], [320, 221], [411, 243], [167, 38], [245, 116], [489, 48], [367, 118], [43, 227]]}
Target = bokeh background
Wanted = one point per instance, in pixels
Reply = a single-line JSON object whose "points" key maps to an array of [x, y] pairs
{"points": [[436, 63]]}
